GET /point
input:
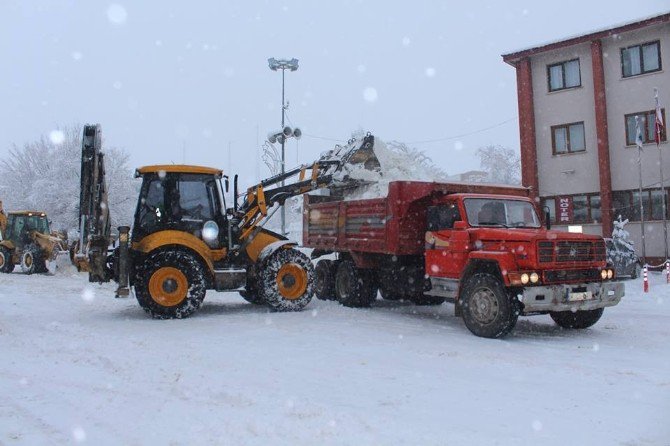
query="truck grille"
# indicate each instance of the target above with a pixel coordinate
(571, 275)
(566, 251)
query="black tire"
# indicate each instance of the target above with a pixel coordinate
(250, 292)
(6, 265)
(159, 284)
(286, 280)
(354, 287)
(488, 309)
(577, 320)
(324, 279)
(425, 299)
(32, 260)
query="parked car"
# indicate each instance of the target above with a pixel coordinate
(622, 256)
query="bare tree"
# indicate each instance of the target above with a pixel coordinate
(501, 163)
(44, 175)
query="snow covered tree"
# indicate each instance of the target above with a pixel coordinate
(620, 234)
(44, 175)
(502, 164)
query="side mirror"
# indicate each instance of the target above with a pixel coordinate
(547, 217)
(226, 182)
(460, 224)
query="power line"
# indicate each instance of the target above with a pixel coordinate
(447, 138)
(428, 141)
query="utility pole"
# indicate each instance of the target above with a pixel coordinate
(283, 65)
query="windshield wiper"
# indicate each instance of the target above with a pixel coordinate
(490, 223)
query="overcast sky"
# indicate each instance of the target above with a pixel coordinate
(161, 76)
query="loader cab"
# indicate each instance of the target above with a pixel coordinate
(21, 224)
(181, 198)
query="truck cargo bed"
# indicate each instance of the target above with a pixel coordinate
(395, 224)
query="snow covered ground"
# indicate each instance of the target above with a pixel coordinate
(79, 366)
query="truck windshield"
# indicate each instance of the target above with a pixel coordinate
(503, 213)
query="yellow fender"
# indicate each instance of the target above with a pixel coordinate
(170, 238)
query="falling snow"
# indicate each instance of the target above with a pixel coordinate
(117, 14)
(370, 94)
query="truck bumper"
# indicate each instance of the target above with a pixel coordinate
(571, 297)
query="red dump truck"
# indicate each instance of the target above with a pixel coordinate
(481, 246)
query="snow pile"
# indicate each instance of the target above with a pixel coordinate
(398, 163)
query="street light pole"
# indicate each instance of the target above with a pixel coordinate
(283, 65)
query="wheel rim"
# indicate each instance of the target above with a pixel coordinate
(2, 259)
(28, 260)
(168, 286)
(484, 306)
(291, 281)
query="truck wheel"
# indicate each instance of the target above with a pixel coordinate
(324, 286)
(488, 310)
(170, 284)
(250, 291)
(6, 265)
(32, 260)
(579, 319)
(286, 280)
(425, 299)
(354, 287)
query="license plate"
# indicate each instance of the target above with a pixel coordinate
(584, 295)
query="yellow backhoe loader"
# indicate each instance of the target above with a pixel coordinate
(185, 240)
(25, 240)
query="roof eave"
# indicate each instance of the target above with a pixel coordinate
(513, 58)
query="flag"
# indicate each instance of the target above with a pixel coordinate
(638, 132)
(658, 123)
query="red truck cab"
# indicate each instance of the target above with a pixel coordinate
(482, 246)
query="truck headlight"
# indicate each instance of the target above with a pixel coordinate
(603, 274)
(534, 277)
(525, 278)
(210, 232)
(610, 273)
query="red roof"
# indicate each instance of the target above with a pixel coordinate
(513, 58)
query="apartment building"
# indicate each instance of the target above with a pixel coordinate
(578, 101)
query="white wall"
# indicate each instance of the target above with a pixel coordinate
(562, 107)
(630, 95)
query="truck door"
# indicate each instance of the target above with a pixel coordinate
(446, 247)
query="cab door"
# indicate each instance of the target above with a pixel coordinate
(446, 241)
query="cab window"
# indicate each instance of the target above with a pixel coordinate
(194, 200)
(443, 216)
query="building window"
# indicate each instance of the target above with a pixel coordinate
(641, 59)
(594, 207)
(564, 75)
(648, 118)
(580, 209)
(627, 204)
(568, 138)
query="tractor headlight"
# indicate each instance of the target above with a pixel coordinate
(534, 277)
(610, 273)
(603, 274)
(525, 278)
(210, 232)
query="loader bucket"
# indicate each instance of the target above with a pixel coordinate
(60, 263)
(355, 155)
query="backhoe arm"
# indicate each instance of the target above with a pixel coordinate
(94, 218)
(328, 171)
